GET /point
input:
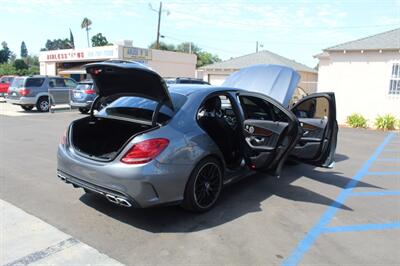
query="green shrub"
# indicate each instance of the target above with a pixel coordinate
(385, 122)
(356, 120)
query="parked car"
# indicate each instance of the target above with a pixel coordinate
(171, 81)
(155, 145)
(40, 91)
(83, 96)
(5, 82)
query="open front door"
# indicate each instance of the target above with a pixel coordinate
(317, 116)
(270, 131)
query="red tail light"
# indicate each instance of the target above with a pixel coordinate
(89, 91)
(24, 92)
(145, 151)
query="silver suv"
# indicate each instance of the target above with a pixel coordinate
(40, 91)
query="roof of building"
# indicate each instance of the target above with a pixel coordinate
(262, 57)
(388, 40)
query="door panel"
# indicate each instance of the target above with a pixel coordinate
(270, 131)
(317, 116)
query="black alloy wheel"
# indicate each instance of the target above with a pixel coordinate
(204, 186)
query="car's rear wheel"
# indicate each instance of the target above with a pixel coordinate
(204, 186)
(27, 107)
(84, 110)
(43, 104)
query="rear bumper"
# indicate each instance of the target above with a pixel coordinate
(22, 101)
(114, 196)
(81, 105)
(146, 185)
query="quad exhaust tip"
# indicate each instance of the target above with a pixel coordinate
(118, 200)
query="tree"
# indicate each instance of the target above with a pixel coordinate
(20, 64)
(188, 47)
(163, 46)
(24, 50)
(57, 44)
(71, 39)
(32, 60)
(5, 53)
(206, 58)
(99, 40)
(86, 25)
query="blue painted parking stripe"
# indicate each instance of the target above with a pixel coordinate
(383, 173)
(361, 227)
(305, 244)
(375, 193)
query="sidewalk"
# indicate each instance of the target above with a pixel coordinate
(25, 239)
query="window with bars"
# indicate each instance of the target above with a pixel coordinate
(394, 87)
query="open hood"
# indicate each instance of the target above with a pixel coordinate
(128, 78)
(275, 81)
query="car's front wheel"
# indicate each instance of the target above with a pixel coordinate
(204, 186)
(43, 104)
(27, 107)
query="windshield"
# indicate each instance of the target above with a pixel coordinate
(138, 108)
(84, 86)
(18, 83)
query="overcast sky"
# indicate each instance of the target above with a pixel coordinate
(294, 29)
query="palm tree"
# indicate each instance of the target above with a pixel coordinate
(85, 25)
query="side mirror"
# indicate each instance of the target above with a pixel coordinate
(3, 81)
(51, 84)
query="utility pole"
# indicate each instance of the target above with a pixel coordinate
(158, 28)
(256, 46)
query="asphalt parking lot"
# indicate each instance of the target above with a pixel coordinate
(346, 215)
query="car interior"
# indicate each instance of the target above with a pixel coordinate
(217, 117)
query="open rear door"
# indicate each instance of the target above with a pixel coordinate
(317, 116)
(270, 131)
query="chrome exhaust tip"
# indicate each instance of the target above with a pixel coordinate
(118, 200)
(124, 202)
(63, 178)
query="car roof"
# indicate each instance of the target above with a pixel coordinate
(86, 81)
(192, 89)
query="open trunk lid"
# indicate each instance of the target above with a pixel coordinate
(128, 78)
(275, 81)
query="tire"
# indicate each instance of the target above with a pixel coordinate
(83, 110)
(43, 104)
(27, 107)
(204, 186)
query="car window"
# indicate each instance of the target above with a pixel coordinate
(313, 108)
(84, 86)
(18, 82)
(34, 82)
(142, 108)
(70, 82)
(60, 82)
(257, 108)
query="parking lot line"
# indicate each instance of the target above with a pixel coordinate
(361, 227)
(375, 193)
(305, 244)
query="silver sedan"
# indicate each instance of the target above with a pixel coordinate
(152, 145)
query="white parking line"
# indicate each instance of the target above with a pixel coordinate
(26, 239)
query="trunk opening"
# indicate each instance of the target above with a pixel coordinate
(103, 138)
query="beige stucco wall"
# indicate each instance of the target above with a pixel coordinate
(172, 64)
(360, 82)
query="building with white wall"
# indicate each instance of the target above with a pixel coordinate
(69, 62)
(364, 74)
